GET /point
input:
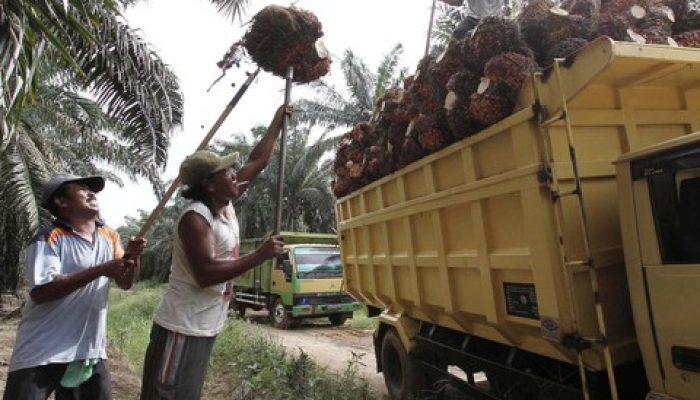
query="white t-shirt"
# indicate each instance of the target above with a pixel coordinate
(187, 308)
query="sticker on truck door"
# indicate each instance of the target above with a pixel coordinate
(521, 300)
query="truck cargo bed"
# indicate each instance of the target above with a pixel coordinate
(476, 238)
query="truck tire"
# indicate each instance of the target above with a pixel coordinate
(337, 319)
(240, 309)
(279, 318)
(402, 377)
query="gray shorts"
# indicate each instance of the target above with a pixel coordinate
(175, 365)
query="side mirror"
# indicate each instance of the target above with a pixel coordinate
(286, 266)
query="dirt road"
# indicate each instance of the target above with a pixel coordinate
(330, 346)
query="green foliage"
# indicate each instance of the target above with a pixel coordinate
(308, 201)
(264, 370)
(332, 109)
(129, 319)
(244, 360)
(84, 93)
(155, 260)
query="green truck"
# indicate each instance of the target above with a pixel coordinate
(305, 282)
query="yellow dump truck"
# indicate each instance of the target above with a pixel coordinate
(556, 253)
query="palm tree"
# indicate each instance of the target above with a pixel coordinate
(308, 201)
(333, 109)
(78, 89)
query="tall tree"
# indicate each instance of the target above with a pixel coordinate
(332, 108)
(308, 202)
(79, 91)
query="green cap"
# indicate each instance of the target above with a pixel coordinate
(203, 163)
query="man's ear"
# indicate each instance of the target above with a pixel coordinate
(60, 201)
(208, 184)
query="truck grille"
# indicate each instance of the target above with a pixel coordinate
(323, 299)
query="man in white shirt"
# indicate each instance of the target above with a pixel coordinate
(474, 10)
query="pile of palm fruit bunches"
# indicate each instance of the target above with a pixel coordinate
(280, 37)
(475, 82)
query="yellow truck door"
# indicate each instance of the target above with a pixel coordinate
(666, 191)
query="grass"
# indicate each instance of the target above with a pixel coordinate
(360, 320)
(245, 363)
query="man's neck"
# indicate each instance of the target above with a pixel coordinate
(217, 206)
(83, 226)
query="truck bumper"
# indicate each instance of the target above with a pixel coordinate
(324, 309)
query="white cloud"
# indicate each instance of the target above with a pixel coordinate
(191, 37)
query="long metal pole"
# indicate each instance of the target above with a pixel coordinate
(283, 153)
(168, 194)
(430, 27)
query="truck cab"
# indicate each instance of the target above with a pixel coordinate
(659, 189)
(305, 282)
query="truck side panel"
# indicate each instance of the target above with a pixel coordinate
(470, 238)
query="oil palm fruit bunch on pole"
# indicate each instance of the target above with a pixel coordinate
(279, 38)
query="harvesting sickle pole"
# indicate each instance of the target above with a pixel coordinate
(173, 186)
(283, 152)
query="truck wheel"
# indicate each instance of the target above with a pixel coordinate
(278, 315)
(402, 377)
(240, 310)
(337, 319)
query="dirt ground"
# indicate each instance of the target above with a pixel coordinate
(329, 346)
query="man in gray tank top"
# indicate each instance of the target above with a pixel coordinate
(205, 260)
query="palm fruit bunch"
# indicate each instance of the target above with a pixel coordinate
(687, 22)
(423, 91)
(612, 25)
(377, 164)
(349, 160)
(655, 26)
(449, 62)
(280, 37)
(546, 31)
(491, 104)
(584, 8)
(493, 36)
(688, 39)
(464, 82)
(459, 119)
(510, 69)
(430, 132)
(411, 149)
(565, 49)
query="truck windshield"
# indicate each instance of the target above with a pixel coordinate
(318, 262)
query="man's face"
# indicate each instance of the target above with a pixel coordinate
(225, 183)
(79, 199)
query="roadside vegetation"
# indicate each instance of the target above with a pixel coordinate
(245, 363)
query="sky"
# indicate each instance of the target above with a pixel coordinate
(190, 36)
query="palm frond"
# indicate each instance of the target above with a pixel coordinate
(359, 79)
(387, 71)
(134, 87)
(231, 8)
